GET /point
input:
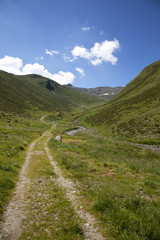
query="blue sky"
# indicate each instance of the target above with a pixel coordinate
(88, 43)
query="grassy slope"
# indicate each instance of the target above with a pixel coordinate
(23, 100)
(20, 94)
(135, 111)
(68, 94)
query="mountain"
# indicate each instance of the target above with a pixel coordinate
(21, 94)
(106, 92)
(135, 111)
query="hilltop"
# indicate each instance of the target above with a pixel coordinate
(135, 111)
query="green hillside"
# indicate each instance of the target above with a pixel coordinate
(24, 103)
(135, 111)
(20, 94)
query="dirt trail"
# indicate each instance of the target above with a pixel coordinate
(42, 119)
(14, 215)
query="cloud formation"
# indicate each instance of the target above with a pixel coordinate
(67, 59)
(11, 64)
(63, 77)
(85, 29)
(99, 53)
(36, 68)
(80, 70)
(39, 58)
(15, 66)
(51, 52)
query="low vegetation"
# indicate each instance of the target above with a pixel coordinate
(16, 133)
(120, 182)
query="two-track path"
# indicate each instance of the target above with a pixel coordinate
(15, 215)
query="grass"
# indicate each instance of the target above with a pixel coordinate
(120, 182)
(16, 133)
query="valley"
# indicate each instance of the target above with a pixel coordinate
(102, 182)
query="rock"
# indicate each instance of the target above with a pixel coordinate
(58, 138)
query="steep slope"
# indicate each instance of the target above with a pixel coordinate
(135, 111)
(20, 94)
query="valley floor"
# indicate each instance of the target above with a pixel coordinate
(86, 186)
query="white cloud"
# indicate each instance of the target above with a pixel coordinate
(48, 52)
(96, 62)
(15, 66)
(85, 29)
(36, 69)
(55, 52)
(51, 52)
(39, 58)
(99, 53)
(11, 64)
(63, 77)
(67, 59)
(81, 71)
(101, 33)
(80, 52)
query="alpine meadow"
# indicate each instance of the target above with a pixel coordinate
(79, 120)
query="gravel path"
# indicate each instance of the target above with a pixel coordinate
(90, 230)
(13, 215)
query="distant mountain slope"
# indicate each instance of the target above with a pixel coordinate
(106, 92)
(70, 95)
(136, 109)
(20, 94)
